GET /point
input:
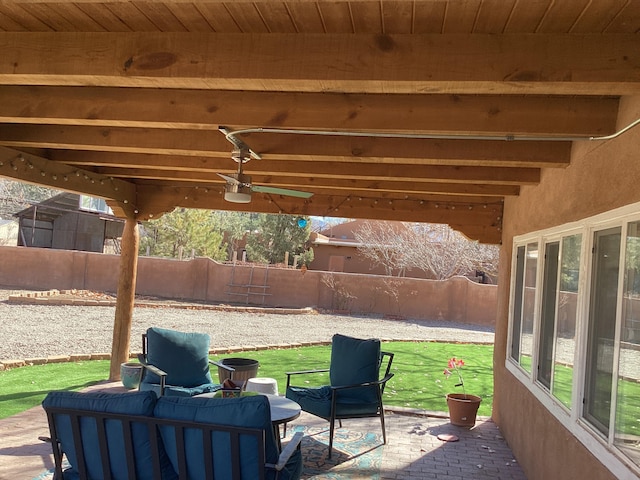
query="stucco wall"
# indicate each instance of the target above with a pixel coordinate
(202, 279)
(603, 175)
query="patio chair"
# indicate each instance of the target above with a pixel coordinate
(355, 389)
(176, 363)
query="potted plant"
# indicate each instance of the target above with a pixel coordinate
(463, 407)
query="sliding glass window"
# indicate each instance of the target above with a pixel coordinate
(627, 426)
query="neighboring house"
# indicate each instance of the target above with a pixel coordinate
(336, 249)
(69, 221)
(8, 232)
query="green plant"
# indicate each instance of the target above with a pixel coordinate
(455, 365)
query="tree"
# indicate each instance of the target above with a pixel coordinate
(435, 249)
(235, 226)
(184, 230)
(277, 234)
(382, 243)
(16, 196)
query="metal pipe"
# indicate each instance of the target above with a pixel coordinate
(231, 136)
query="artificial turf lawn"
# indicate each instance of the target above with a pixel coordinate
(418, 367)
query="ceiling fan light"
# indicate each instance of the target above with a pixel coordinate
(237, 193)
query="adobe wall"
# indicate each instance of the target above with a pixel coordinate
(202, 279)
(602, 176)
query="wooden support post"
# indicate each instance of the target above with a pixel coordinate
(125, 297)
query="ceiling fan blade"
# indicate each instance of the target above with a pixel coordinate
(232, 180)
(280, 191)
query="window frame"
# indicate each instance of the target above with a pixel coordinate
(572, 418)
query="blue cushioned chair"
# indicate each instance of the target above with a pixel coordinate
(252, 455)
(355, 389)
(176, 363)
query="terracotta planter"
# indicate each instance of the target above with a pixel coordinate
(463, 409)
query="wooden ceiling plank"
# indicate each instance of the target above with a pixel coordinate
(461, 16)
(276, 17)
(407, 173)
(346, 151)
(306, 19)
(526, 16)
(161, 16)
(493, 16)
(627, 21)
(247, 18)
(597, 16)
(190, 16)
(217, 16)
(198, 109)
(72, 14)
(7, 23)
(336, 17)
(398, 17)
(367, 17)
(129, 13)
(53, 18)
(27, 22)
(411, 150)
(562, 16)
(104, 17)
(573, 64)
(429, 17)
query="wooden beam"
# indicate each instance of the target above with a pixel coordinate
(550, 64)
(30, 168)
(206, 109)
(478, 220)
(361, 188)
(336, 170)
(191, 143)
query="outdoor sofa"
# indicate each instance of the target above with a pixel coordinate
(139, 436)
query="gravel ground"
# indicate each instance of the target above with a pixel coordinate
(36, 331)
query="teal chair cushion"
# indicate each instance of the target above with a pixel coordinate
(353, 361)
(248, 412)
(136, 403)
(184, 356)
(316, 400)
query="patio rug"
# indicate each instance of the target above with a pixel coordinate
(356, 455)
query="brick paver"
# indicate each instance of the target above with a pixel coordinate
(413, 450)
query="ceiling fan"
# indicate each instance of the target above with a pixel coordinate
(239, 187)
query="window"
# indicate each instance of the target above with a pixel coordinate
(575, 328)
(565, 320)
(522, 339)
(627, 411)
(94, 204)
(548, 313)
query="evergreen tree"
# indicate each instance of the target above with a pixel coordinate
(277, 234)
(189, 231)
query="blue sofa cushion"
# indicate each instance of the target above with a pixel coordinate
(184, 356)
(248, 412)
(355, 360)
(138, 403)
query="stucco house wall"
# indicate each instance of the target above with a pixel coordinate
(603, 175)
